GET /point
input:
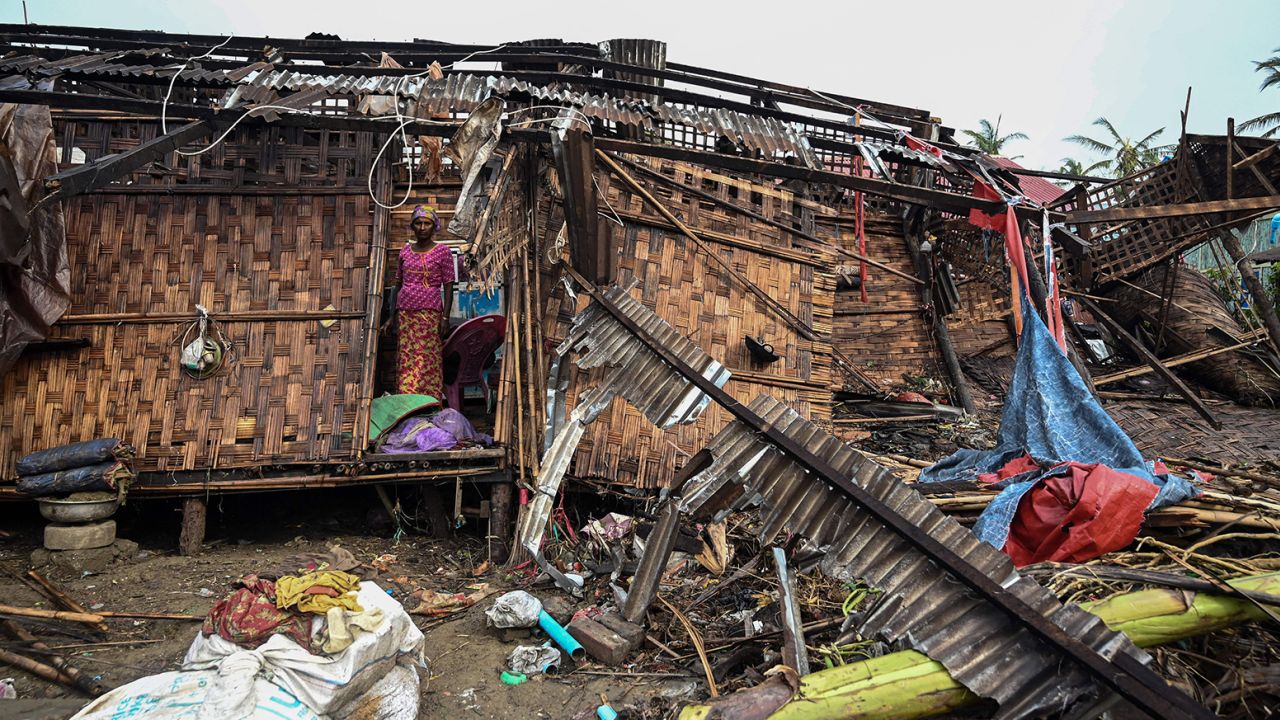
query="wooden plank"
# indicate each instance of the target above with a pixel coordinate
(1142, 352)
(1183, 359)
(1257, 157)
(1180, 210)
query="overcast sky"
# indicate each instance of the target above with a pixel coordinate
(1050, 68)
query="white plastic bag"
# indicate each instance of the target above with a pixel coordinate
(533, 659)
(516, 609)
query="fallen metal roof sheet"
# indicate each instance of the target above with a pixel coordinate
(664, 396)
(922, 604)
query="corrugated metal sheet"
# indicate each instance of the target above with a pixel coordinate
(462, 93)
(922, 604)
(633, 372)
(258, 83)
(110, 65)
(1036, 189)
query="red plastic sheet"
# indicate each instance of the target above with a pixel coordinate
(1079, 515)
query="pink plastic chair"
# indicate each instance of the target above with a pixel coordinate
(468, 353)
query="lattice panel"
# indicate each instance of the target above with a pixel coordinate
(268, 155)
(1123, 248)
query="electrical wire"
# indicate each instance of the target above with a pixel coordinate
(401, 121)
(164, 127)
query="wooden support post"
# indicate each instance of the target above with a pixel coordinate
(500, 502)
(436, 515)
(1262, 304)
(589, 249)
(1231, 167)
(193, 518)
(941, 334)
(1146, 356)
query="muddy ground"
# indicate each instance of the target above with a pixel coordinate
(253, 532)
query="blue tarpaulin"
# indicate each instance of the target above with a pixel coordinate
(1050, 415)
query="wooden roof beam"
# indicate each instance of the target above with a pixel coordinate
(937, 199)
(1151, 212)
(99, 173)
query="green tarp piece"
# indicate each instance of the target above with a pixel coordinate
(391, 409)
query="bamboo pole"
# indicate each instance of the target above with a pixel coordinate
(38, 669)
(1252, 338)
(79, 679)
(88, 618)
(907, 684)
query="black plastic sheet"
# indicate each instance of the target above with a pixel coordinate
(34, 275)
(66, 457)
(105, 476)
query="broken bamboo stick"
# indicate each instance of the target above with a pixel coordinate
(58, 595)
(696, 639)
(908, 684)
(149, 616)
(39, 669)
(80, 680)
(1267, 479)
(1142, 352)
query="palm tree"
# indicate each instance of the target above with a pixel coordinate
(1072, 166)
(1127, 156)
(1269, 123)
(988, 139)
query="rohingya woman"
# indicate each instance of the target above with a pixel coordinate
(426, 274)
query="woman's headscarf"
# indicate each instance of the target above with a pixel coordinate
(426, 211)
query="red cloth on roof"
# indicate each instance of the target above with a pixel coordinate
(977, 218)
(1089, 511)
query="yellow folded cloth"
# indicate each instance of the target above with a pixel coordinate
(291, 590)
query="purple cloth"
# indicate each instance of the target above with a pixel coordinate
(442, 431)
(457, 423)
(417, 434)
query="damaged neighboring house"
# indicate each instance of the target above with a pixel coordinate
(747, 264)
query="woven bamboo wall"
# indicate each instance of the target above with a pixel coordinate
(685, 288)
(886, 337)
(290, 393)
